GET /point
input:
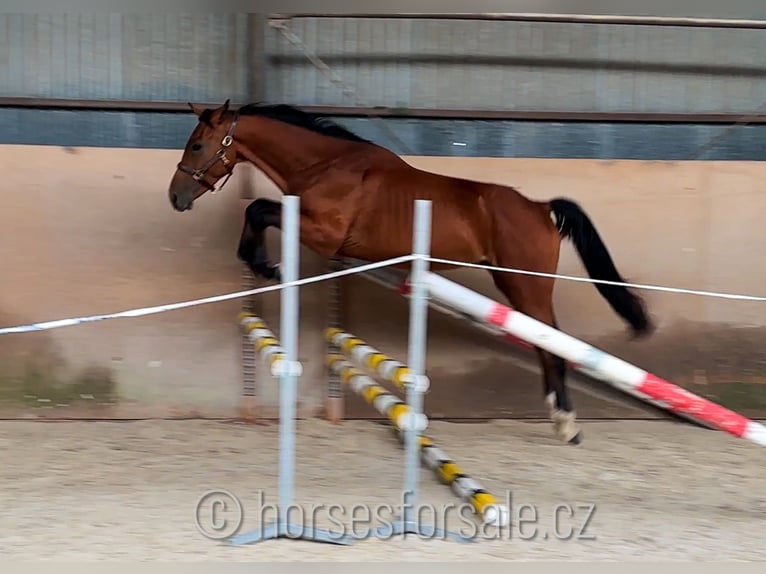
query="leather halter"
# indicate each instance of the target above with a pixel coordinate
(199, 174)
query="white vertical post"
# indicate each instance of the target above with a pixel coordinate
(416, 358)
(287, 372)
(289, 314)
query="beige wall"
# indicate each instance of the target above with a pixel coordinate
(90, 231)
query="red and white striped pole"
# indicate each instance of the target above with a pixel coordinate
(599, 364)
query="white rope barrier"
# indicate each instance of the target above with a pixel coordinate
(140, 312)
(714, 294)
(56, 324)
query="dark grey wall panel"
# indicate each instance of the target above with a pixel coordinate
(399, 63)
(495, 138)
(95, 129)
(522, 66)
(468, 138)
(173, 57)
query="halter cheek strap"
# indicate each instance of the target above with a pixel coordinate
(198, 175)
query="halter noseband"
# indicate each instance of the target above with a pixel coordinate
(199, 174)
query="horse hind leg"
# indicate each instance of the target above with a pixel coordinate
(557, 397)
(533, 296)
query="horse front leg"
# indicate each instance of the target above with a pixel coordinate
(259, 216)
(315, 233)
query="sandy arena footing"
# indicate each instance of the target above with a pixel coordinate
(108, 490)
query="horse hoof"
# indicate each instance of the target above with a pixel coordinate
(565, 428)
(576, 439)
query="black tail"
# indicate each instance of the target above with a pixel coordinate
(573, 223)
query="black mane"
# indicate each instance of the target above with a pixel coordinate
(292, 115)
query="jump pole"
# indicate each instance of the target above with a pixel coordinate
(597, 363)
(287, 368)
(381, 277)
(357, 355)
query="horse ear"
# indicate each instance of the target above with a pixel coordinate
(217, 114)
(196, 109)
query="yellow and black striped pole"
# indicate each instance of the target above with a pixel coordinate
(263, 339)
(398, 414)
(361, 353)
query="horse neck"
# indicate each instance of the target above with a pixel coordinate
(280, 149)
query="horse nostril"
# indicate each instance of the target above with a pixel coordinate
(174, 198)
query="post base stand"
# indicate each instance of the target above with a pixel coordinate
(402, 528)
(275, 530)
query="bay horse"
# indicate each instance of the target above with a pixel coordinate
(356, 201)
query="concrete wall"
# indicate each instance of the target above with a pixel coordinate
(88, 231)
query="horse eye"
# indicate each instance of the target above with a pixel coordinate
(196, 147)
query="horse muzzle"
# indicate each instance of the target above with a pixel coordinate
(183, 201)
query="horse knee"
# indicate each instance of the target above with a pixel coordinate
(245, 250)
(261, 213)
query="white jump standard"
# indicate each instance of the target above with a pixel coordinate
(282, 360)
(421, 246)
(285, 366)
